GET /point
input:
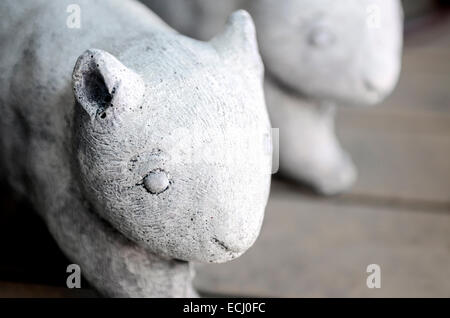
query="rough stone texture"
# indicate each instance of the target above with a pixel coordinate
(147, 101)
(316, 52)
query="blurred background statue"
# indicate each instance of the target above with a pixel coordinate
(318, 54)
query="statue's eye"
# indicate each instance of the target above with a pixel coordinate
(321, 36)
(156, 181)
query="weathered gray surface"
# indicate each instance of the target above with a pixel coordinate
(148, 101)
(316, 53)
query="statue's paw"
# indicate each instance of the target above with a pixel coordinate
(327, 177)
(335, 179)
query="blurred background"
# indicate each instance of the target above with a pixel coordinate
(397, 215)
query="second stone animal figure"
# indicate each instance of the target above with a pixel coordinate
(318, 54)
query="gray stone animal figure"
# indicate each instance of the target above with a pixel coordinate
(317, 54)
(142, 149)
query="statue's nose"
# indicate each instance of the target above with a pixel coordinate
(372, 85)
(379, 84)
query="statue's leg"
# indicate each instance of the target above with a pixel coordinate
(309, 150)
(113, 264)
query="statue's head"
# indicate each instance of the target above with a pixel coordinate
(347, 51)
(172, 141)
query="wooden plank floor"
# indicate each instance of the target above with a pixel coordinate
(397, 215)
(311, 247)
(401, 156)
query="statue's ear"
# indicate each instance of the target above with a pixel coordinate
(237, 43)
(102, 82)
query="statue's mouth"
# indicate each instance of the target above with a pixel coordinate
(180, 261)
(221, 244)
(231, 253)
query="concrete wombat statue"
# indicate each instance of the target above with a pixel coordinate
(145, 152)
(317, 53)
